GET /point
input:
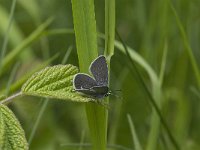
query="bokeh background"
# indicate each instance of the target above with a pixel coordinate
(150, 28)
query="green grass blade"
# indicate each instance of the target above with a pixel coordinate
(181, 115)
(186, 44)
(16, 36)
(195, 91)
(155, 100)
(11, 78)
(32, 8)
(156, 92)
(86, 42)
(38, 119)
(85, 32)
(16, 51)
(163, 64)
(69, 50)
(4, 47)
(136, 141)
(109, 28)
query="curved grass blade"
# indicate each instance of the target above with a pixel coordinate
(11, 78)
(32, 8)
(16, 51)
(16, 36)
(186, 44)
(136, 141)
(155, 101)
(5, 42)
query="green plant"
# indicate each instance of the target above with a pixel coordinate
(157, 71)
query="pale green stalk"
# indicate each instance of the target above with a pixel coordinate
(136, 141)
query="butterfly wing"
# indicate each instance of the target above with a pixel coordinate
(87, 85)
(99, 70)
(83, 81)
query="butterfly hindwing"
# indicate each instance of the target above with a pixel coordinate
(83, 81)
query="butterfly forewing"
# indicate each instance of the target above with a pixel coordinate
(99, 70)
(83, 81)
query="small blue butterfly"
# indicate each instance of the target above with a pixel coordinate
(96, 87)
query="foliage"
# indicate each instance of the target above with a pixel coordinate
(162, 39)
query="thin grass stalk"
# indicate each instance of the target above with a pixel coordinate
(11, 78)
(38, 120)
(136, 141)
(16, 51)
(163, 63)
(5, 42)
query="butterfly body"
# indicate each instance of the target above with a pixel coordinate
(96, 86)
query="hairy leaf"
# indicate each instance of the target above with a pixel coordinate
(11, 133)
(54, 82)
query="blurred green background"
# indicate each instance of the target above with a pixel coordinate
(149, 27)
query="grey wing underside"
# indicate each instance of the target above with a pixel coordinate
(87, 85)
(99, 69)
(83, 81)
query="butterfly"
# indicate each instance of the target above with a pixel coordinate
(96, 86)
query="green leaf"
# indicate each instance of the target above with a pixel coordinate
(54, 82)
(11, 133)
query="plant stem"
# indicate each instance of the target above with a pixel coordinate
(38, 119)
(8, 99)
